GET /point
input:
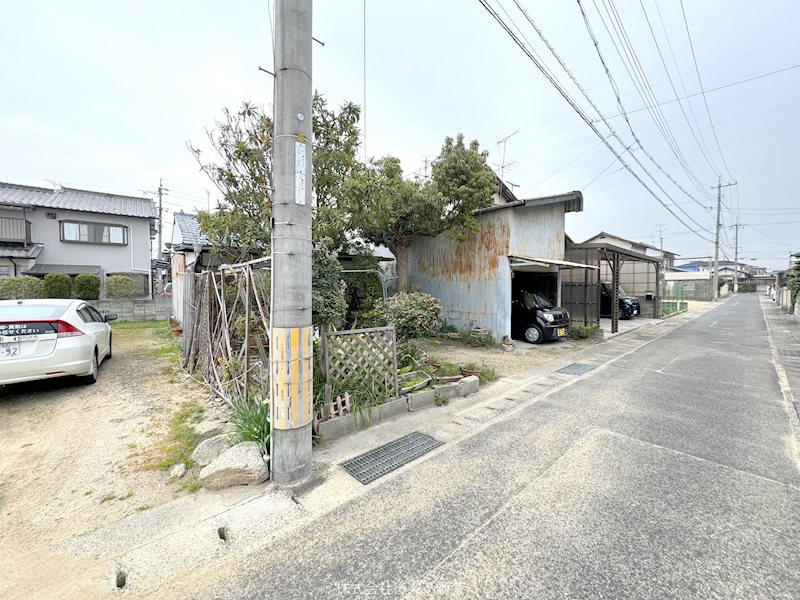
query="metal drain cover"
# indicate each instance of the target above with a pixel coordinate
(382, 460)
(576, 369)
(789, 352)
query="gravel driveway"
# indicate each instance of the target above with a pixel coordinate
(69, 454)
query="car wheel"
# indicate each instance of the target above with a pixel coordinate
(110, 339)
(91, 377)
(533, 334)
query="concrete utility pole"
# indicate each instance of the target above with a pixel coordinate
(160, 220)
(719, 187)
(291, 335)
(736, 259)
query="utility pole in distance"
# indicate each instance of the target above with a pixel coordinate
(719, 187)
(291, 334)
(160, 214)
(736, 258)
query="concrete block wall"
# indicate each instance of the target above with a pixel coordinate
(157, 309)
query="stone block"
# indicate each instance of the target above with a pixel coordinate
(241, 464)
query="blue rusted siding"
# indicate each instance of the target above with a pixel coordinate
(472, 278)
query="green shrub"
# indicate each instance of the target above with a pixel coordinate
(581, 332)
(250, 423)
(121, 286)
(328, 304)
(57, 285)
(87, 286)
(413, 314)
(482, 341)
(22, 287)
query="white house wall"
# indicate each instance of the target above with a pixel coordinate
(131, 258)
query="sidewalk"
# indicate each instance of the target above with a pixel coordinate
(168, 542)
(784, 333)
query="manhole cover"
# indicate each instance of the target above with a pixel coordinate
(576, 369)
(789, 352)
(385, 459)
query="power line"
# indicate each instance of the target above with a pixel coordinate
(551, 78)
(600, 114)
(672, 84)
(615, 89)
(642, 86)
(702, 91)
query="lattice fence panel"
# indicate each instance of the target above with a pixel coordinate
(357, 352)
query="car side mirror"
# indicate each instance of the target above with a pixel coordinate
(110, 317)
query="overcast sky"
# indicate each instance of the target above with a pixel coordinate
(104, 95)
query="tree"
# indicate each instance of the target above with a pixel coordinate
(385, 208)
(793, 278)
(242, 142)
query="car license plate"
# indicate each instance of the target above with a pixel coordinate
(561, 331)
(9, 350)
(635, 311)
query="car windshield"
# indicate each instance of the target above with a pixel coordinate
(17, 312)
(621, 291)
(535, 301)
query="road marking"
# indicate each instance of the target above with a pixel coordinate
(714, 323)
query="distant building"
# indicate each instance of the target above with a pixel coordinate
(668, 258)
(72, 231)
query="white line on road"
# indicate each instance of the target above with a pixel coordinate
(714, 323)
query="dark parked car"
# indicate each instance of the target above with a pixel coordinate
(628, 305)
(535, 319)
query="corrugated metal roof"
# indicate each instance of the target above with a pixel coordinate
(72, 199)
(190, 230)
(20, 251)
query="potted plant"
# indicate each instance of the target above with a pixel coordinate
(175, 326)
(507, 343)
(448, 372)
(471, 369)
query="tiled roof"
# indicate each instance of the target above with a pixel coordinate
(190, 230)
(71, 199)
(20, 251)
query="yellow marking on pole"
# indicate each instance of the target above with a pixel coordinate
(294, 372)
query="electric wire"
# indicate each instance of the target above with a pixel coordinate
(672, 84)
(564, 94)
(621, 107)
(700, 81)
(574, 79)
(643, 88)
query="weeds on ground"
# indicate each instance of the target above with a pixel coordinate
(178, 440)
(250, 422)
(191, 484)
(581, 332)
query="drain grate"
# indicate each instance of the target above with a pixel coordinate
(378, 462)
(789, 352)
(576, 369)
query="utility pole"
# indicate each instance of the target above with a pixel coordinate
(291, 334)
(719, 187)
(160, 213)
(736, 259)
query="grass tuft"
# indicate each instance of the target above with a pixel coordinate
(179, 440)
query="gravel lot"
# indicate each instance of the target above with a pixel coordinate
(71, 455)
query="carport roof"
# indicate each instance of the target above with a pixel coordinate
(521, 261)
(618, 250)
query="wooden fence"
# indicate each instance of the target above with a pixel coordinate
(359, 353)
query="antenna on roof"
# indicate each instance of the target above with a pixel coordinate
(57, 187)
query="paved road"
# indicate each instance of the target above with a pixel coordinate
(671, 472)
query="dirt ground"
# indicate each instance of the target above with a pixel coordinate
(524, 357)
(72, 456)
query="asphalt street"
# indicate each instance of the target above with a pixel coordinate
(669, 472)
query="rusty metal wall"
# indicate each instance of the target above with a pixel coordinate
(472, 278)
(537, 231)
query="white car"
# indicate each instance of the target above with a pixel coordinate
(42, 339)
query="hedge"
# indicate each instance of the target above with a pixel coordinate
(57, 285)
(120, 286)
(22, 287)
(87, 286)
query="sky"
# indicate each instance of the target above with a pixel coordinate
(105, 96)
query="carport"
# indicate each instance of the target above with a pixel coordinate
(637, 273)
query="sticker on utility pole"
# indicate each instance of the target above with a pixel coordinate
(299, 173)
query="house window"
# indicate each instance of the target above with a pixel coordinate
(93, 233)
(5, 271)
